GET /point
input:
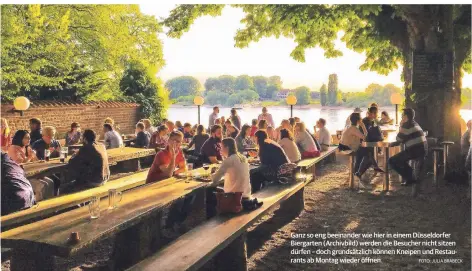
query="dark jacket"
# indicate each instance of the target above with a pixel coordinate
(90, 165)
(142, 139)
(272, 155)
(17, 192)
(35, 136)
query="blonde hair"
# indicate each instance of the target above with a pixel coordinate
(147, 123)
(301, 125)
(49, 131)
(4, 124)
(109, 121)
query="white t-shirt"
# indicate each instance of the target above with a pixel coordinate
(267, 117)
(236, 175)
(291, 149)
(113, 139)
(351, 137)
(323, 136)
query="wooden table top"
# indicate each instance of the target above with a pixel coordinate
(114, 156)
(50, 236)
(388, 142)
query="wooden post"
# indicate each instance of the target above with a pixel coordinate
(137, 242)
(351, 171)
(26, 261)
(234, 256)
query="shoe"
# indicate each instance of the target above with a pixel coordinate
(359, 180)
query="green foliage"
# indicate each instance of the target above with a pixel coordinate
(74, 51)
(242, 97)
(466, 97)
(184, 100)
(260, 85)
(244, 82)
(227, 83)
(183, 86)
(333, 89)
(373, 93)
(323, 95)
(303, 95)
(216, 98)
(141, 86)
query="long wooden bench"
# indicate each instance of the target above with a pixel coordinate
(227, 245)
(50, 206)
(308, 165)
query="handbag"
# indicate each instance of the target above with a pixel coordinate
(229, 202)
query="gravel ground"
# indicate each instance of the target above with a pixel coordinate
(331, 207)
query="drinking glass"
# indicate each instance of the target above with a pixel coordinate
(189, 170)
(94, 207)
(47, 153)
(114, 197)
(64, 151)
(122, 147)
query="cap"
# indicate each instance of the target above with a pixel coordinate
(357, 110)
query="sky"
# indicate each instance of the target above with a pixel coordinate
(208, 50)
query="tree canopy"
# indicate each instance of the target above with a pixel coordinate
(303, 95)
(74, 51)
(183, 86)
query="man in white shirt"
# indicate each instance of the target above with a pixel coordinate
(112, 138)
(322, 134)
(213, 117)
(267, 117)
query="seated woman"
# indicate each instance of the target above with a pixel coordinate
(274, 162)
(235, 169)
(16, 191)
(20, 150)
(159, 138)
(385, 119)
(290, 147)
(231, 130)
(73, 136)
(148, 126)
(305, 141)
(179, 126)
(272, 133)
(243, 140)
(89, 166)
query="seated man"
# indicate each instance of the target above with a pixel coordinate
(166, 161)
(322, 134)
(17, 192)
(89, 166)
(47, 142)
(142, 137)
(416, 146)
(35, 129)
(112, 138)
(165, 166)
(211, 149)
(188, 131)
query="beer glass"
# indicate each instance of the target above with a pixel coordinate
(94, 207)
(47, 153)
(189, 170)
(114, 197)
(64, 151)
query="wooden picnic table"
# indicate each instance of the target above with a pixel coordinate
(35, 244)
(53, 166)
(388, 142)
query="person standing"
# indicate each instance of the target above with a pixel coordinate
(267, 117)
(416, 146)
(112, 138)
(74, 135)
(35, 129)
(235, 119)
(322, 134)
(213, 117)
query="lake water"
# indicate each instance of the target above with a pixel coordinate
(335, 117)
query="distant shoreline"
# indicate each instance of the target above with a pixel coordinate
(309, 106)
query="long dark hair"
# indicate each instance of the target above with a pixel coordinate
(284, 133)
(18, 138)
(230, 143)
(200, 130)
(243, 131)
(261, 136)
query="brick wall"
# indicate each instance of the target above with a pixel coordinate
(62, 114)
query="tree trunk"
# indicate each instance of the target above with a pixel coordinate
(435, 94)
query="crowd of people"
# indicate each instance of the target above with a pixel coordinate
(225, 141)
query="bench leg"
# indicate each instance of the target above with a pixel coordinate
(351, 172)
(25, 261)
(293, 205)
(234, 256)
(136, 243)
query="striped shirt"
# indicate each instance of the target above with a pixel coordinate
(412, 135)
